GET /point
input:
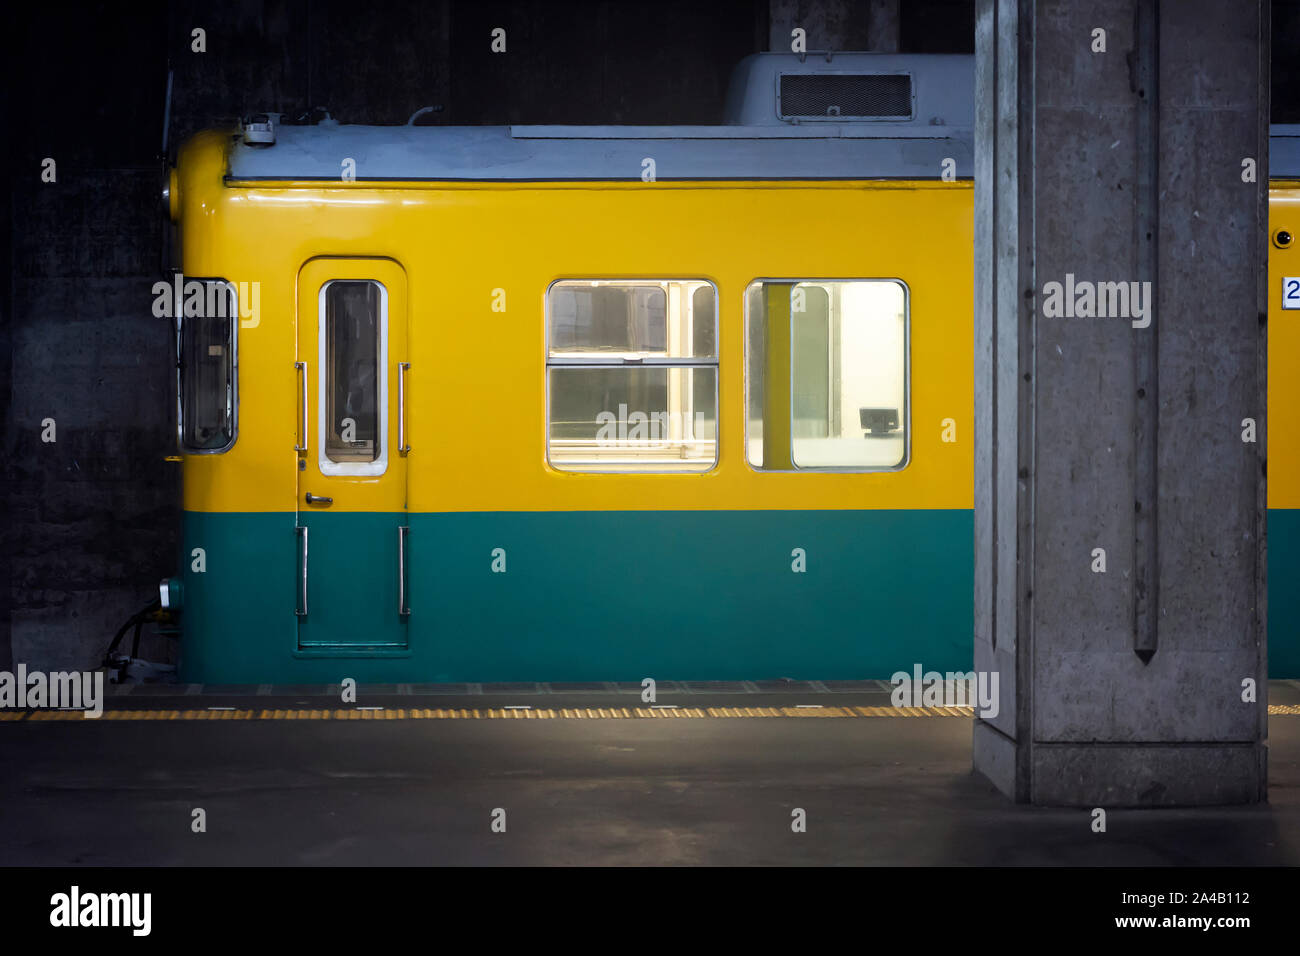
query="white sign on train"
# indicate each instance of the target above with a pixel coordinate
(1291, 293)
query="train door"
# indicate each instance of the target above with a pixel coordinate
(352, 469)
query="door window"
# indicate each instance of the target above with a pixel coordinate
(353, 400)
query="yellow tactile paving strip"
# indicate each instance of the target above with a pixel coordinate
(514, 713)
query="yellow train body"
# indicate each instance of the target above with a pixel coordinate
(478, 375)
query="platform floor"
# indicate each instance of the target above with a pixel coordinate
(584, 790)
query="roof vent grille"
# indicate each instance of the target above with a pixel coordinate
(846, 95)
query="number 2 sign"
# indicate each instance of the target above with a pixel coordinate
(1291, 293)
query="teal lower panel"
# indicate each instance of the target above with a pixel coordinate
(699, 595)
(1284, 593)
(615, 596)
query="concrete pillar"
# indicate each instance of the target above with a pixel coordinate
(837, 25)
(1117, 157)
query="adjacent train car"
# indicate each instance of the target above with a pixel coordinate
(1283, 429)
(586, 403)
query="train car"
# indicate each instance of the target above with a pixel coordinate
(1283, 431)
(584, 403)
(577, 404)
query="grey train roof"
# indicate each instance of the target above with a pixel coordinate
(1284, 152)
(774, 128)
(755, 142)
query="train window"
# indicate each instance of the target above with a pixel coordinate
(632, 376)
(206, 368)
(353, 347)
(826, 374)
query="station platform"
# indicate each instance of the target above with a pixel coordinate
(607, 780)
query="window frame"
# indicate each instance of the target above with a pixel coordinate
(907, 381)
(622, 361)
(179, 312)
(327, 465)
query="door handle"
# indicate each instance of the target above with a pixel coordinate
(302, 421)
(402, 446)
(302, 581)
(402, 609)
(318, 499)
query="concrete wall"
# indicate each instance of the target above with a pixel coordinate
(91, 515)
(1285, 77)
(884, 26)
(837, 25)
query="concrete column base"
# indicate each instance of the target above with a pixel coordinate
(1122, 775)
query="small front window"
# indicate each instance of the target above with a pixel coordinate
(207, 368)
